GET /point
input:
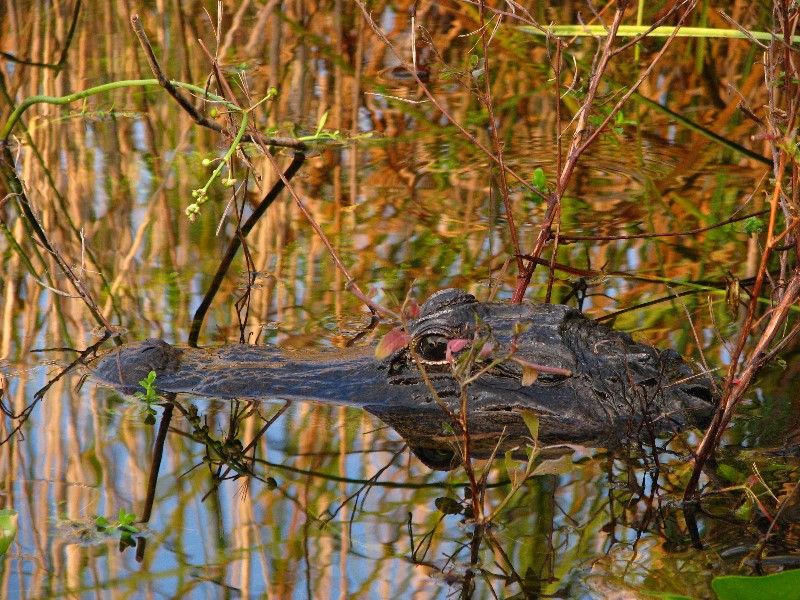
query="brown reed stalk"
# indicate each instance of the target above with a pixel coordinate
(781, 72)
(582, 138)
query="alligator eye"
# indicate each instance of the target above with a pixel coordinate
(433, 348)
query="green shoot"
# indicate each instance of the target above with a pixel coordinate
(539, 179)
(149, 397)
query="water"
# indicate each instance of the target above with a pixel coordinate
(330, 502)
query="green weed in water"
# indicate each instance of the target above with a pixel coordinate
(97, 529)
(123, 524)
(754, 225)
(149, 396)
(539, 180)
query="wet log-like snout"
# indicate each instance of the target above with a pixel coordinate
(242, 371)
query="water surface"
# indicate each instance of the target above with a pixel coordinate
(334, 504)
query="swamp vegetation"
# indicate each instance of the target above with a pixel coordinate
(302, 173)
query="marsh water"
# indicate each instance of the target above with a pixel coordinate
(302, 500)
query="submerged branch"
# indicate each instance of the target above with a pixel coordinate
(236, 242)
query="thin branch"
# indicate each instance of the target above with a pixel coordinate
(580, 142)
(574, 152)
(187, 106)
(498, 147)
(350, 285)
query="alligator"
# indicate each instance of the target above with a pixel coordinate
(593, 384)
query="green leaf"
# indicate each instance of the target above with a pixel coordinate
(128, 529)
(745, 511)
(555, 466)
(511, 465)
(729, 473)
(539, 179)
(147, 382)
(8, 528)
(753, 225)
(620, 119)
(531, 422)
(780, 586)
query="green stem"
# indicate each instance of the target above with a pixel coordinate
(228, 154)
(237, 139)
(106, 87)
(663, 31)
(201, 195)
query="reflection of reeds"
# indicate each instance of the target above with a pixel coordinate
(415, 205)
(84, 180)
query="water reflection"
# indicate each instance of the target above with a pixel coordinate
(317, 504)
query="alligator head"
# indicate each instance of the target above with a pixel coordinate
(598, 385)
(603, 386)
